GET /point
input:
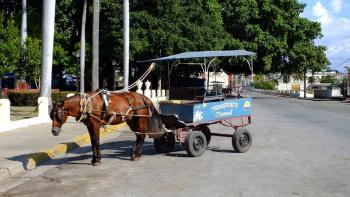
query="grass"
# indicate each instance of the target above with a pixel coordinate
(20, 113)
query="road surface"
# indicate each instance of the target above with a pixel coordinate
(300, 148)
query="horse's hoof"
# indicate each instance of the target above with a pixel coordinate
(135, 159)
(96, 163)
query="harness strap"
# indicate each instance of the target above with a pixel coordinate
(112, 118)
(85, 106)
(139, 107)
(86, 109)
(105, 97)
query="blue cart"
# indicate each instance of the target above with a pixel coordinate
(187, 120)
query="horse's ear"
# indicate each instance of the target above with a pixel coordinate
(52, 106)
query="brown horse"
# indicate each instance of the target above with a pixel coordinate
(101, 108)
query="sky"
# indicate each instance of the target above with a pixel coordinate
(334, 16)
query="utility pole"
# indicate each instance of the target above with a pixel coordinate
(95, 45)
(126, 25)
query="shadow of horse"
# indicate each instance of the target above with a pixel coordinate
(120, 149)
(116, 149)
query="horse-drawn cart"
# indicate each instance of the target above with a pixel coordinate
(187, 120)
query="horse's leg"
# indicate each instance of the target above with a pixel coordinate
(93, 144)
(137, 148)
(94, 132)
(98, 151)
(133, 126)
(139, 126)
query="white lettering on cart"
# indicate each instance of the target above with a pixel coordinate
(224, 106)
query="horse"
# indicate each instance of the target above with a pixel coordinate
(99, 108)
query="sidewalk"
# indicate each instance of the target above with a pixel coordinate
(22, 149)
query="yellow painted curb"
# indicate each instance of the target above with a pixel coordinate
(36, 158)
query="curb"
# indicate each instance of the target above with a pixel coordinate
(31, 161)
(23, 123)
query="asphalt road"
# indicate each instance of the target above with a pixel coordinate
(300, 148)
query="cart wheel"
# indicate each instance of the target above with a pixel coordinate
(206, 131)
(195, 143)
(241, 140)
(165, 143)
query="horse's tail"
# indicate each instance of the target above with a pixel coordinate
(156, 124)
(150, 105)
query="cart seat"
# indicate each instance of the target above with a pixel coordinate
(171, 121)
(186, 93)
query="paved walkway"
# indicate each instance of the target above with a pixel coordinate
(22, 149)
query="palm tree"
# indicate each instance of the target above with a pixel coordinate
(24, 23)
(47, 50)
(95, 45)
(82, 48)
(126, 43)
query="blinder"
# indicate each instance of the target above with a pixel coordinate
(60, 114)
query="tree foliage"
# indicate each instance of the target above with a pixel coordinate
(30, 63)
(275, 30)
(9, 45)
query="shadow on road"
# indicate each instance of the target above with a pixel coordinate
(120, 150)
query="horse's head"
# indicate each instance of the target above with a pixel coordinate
(59, 116)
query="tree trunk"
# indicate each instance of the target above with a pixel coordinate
(36, 84)
(24, 23)
(305, 84)
(126, 44)
(1, 94)
(95, 45)
(47, 50)
(82, 49)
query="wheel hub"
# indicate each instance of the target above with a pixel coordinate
(197, 144)
(243, 140)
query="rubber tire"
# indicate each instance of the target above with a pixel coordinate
(165, 143)
(206, 131)
(195, 143)
(237, 143)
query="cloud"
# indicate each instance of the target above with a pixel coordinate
(335, 28)
(336, 5)
(322, 14)
(345, 22)
(339, 48)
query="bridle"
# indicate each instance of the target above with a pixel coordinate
(60, 114)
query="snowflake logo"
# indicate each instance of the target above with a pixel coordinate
(198, 116)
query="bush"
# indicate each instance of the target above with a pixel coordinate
(328, 79)
(23, 98)
(264, 85)
(31, 98)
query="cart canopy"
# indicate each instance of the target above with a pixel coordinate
(202, 54)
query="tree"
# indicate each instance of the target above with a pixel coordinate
(9, 47)
(29, 69)
(307, 56)
(271, 29)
